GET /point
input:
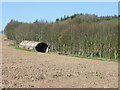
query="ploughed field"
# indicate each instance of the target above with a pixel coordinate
(23, 69)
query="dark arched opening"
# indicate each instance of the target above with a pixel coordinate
(41, 47)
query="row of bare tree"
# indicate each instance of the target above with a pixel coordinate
(91, 39)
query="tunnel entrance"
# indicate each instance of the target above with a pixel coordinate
(41, 47)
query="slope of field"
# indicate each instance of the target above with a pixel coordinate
(114, 20)
(37, 70)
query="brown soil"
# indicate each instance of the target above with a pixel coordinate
(23, 69)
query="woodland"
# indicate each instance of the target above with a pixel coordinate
(79, 35)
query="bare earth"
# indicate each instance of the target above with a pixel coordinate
(23, 69)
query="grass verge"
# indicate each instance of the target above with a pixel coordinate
(25, 49)
(93, 58)
(16, 47)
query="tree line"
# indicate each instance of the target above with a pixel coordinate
(79, 35)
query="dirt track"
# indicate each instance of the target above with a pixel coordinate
(30, 69)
